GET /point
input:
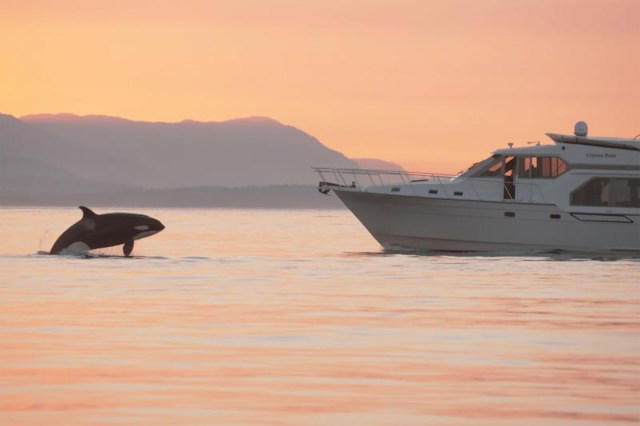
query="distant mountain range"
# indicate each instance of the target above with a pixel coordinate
(65, 159)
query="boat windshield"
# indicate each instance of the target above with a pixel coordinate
(479, 165)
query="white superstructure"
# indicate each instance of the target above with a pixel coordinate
(579, 194)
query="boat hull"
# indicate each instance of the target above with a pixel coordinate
(420, 223)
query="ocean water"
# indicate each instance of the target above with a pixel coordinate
(242, 317)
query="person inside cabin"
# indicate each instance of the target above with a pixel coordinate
(534, 167)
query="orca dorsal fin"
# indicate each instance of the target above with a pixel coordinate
(87, 213)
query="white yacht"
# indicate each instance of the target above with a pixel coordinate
(579, 194)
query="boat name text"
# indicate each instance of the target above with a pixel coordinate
(592, 155)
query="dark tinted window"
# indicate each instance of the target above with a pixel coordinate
(608, 192)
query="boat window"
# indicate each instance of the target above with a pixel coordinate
(478, 165)
(492, 168)
(608, 192)
(509, 190)
(542, 167)
(509, 165)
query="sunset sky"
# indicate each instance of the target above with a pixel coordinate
(432, 85)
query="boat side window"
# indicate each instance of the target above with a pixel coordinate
(525, 167)
(608, 192)
(494, 168)
(510, 165)
(542, 167)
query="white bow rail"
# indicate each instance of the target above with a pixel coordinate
(357, 178)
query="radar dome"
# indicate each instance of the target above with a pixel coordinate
(580, 129)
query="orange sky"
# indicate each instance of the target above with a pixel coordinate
(432, 85)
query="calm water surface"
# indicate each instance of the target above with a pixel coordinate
(242, 317)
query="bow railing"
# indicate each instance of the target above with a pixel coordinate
(357, 178)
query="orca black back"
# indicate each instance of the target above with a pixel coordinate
(95, 231)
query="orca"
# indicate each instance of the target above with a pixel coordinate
(105, 230)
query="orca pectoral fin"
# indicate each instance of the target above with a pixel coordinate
(127, 248)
